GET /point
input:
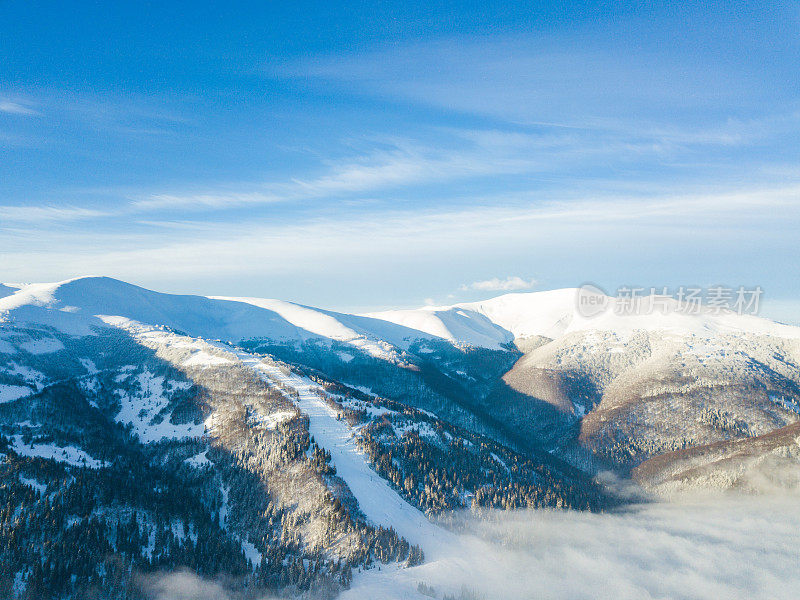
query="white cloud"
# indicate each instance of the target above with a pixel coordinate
(214, 199)
(406, 164)
(460, 156)
(433, 249)
(509, 284)
(15, 108)
(695, 548)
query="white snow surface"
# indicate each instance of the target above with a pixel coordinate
(204, 359)
(201, 353)
(251, 553)
(198, 461)
(553, 314)
(75, 305)
(34, 483)
(68, 454)
(140, 407)
(9, 393)
(371, 336)
(89, 365)
(42, 346)
(381, 504)
(31, 376)
(272, 420)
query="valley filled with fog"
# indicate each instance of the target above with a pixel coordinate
(698, 547)
(701, 546)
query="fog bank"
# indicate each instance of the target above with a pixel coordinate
(714, 547)
(717, 547)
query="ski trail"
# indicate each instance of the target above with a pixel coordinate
(381, 504)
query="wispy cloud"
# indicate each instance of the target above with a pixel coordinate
(33, 214)
(509, 284)
(587, 84)
(208, 200)
(17, 108)
(458, 156)
(547, 78)
(406, 164)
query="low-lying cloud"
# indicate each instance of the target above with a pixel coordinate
(703, 549)
(182, 585)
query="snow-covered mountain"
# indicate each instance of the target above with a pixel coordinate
(78, 303)
(157, 431)
(283, 434)
(615, 388)
(493, 323)
(553, 314)
(570, 369)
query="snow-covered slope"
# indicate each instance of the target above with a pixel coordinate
(371, 335)
(7, 290)
(553, 314)
(616, 387)
(762, 463)
(75, 305)
(494, 322)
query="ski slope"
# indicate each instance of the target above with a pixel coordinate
(381, 504)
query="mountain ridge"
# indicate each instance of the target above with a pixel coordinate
(492, 323)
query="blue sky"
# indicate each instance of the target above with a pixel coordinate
(367, 154)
